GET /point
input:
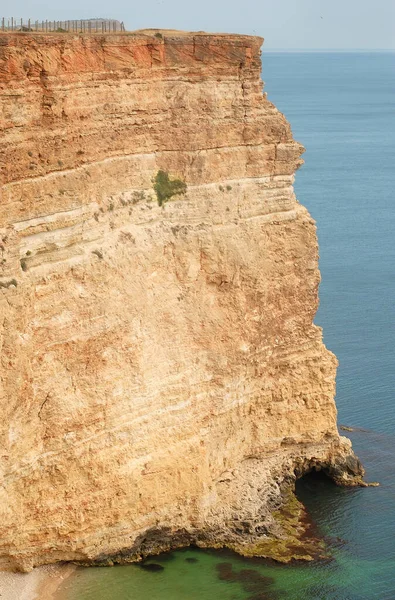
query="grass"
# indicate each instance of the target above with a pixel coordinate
(138, 196)
(165, 188)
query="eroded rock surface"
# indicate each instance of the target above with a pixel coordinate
(162, 381)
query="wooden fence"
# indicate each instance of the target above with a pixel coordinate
(73, 26)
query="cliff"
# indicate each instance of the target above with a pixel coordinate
(162, 381)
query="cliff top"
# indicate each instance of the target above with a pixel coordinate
(158, 34)
(36, 54)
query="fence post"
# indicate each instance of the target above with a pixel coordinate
(2, 23)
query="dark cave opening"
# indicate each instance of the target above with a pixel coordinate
(313, 484)
(316, 474)
(319, 494)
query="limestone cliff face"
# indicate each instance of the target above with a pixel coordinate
(161, 378)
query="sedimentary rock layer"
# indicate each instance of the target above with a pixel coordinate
(161, 380)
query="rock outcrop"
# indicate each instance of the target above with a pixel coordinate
(162, 381)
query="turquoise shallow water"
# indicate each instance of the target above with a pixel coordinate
(342, 108)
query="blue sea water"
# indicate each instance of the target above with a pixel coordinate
(342, 108)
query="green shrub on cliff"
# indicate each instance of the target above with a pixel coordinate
(165, 188)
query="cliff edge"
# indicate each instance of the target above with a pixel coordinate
(162, 382)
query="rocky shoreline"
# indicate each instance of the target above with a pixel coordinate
(289, 535)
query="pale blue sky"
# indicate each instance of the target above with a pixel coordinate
(284, 24)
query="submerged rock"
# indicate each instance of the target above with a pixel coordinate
(152, 567)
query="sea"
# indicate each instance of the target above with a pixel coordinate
(341, 106)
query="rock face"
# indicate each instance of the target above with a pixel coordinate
(161, 379)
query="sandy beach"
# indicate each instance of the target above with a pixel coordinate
(40, 584)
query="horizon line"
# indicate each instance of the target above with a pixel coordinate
(274, 49)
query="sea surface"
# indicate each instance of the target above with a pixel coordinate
(342, 108)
